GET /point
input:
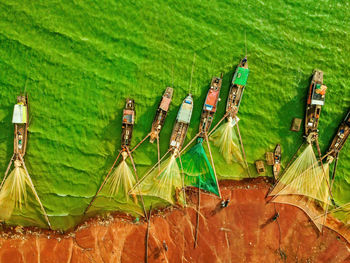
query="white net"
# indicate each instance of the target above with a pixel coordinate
(225, 138)
(305, 184)
(165, 183)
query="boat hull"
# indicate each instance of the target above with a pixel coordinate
(181, 125)
(128, 123)
(277, 161)
(314, 104)
(340, 138)
(20, 120)
(236, 89)
(210, 105)
(161, 114)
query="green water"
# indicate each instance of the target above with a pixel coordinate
(79, 60)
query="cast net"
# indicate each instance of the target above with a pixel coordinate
(197, 169)
(14, 194)
(225, 138)
(337, 219)
(165, 183)
(305, 184)
(115, 193)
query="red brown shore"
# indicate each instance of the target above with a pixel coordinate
(245, 231)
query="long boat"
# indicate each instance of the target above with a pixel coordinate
(340, 138)
(277, 161)
(315, 101)
(20, 120)
(161, 114)
(182, 122)
(128, 122)
(238, 83)
(209, 107)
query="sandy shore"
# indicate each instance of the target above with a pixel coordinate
(243, 232)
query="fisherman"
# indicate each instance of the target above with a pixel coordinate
(224, 203)
(165, 246)
(275, 217)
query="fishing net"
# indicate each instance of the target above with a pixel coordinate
(305, 185)
(337, 219)
(14, 194)
(165, 183)
(342, 213)
(115, 193)
(197, 169)
(121, 180)
(225, 138)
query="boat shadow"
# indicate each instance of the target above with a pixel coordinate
(7, 131)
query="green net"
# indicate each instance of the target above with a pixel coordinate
(197, 169)
(164, 182)
(241, 76)
(115, 193)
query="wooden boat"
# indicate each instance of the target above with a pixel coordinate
(128, 122)
(277, 161)
(315, 101)
(183, 119)
(340, 138)
(209, 107)
(20, 120)
(161, 114)
(238, 83)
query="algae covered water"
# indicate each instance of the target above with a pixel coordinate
(79, 61)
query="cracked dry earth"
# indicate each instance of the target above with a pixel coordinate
(243, 232)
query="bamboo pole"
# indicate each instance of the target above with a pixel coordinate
(7, 171)
(149, 171)
(245, 158)
(191, 141)
(137, 180)
(137, 145)
(334, 169)
(216, 125)
(324, 173)
(212, 163)
(183, 180)
(147, 233)
(35, 193)
(198, 210)
(103, 183)
(158, 150)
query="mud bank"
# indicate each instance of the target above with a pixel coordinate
(245, 231)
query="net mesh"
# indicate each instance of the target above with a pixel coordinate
(197, 169)
(115, 193)
(14, 193)
(342, 213)
(305, 185)
(337, 219)
(225, 138)
(165, 183)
